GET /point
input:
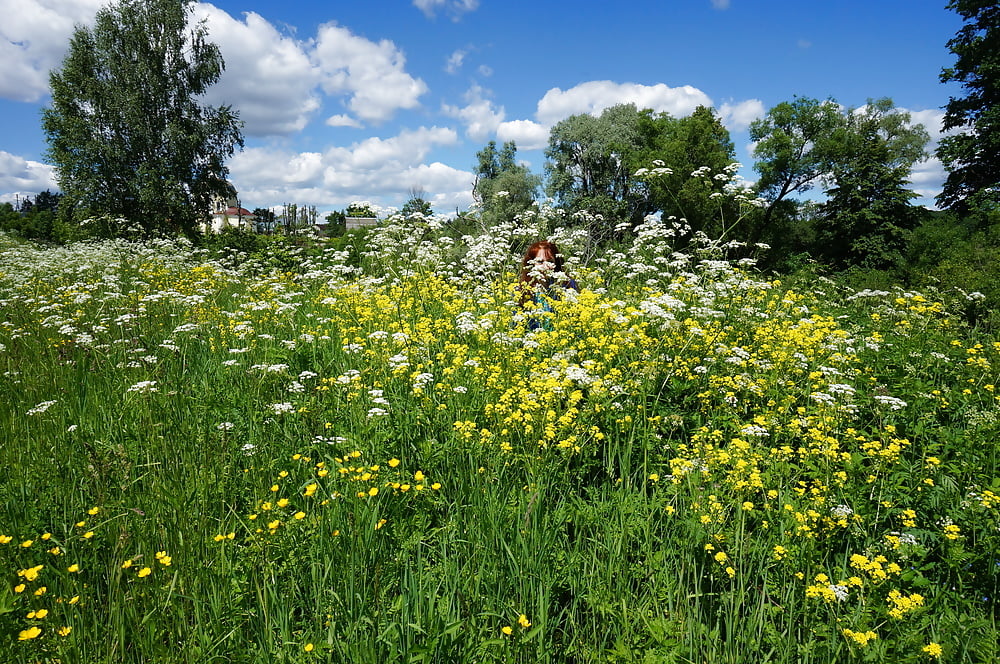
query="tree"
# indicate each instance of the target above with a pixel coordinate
(867, 218)
(361, 209)
(126, 129)
(417, 204)
(336, 223)
(698, 143)
(265, 219)
(589, 167)
(503, 188)
(46, 200)
(972, 157)
(794, 149)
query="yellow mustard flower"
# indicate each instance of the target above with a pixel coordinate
(933, 649)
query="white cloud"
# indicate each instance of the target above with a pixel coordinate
(737, 117)
(343, 121)
(595, 96)
(928, 176)
(379, 169)
(454, 7)
(528, 135)
(932, 120)
(34, 35)
(485, 71)
(455, 61)
(720, 4)
(269, 77)
(480, 116)
(371, 74)
(22, 176)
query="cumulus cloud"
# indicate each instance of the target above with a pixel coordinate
(595, 96)
(737, 117)
(528, 135)
(371, 74)
(480, 116)
(375, 168)
(34, 35)
(928, 176)
(456, 8)
(269, 77)
(22, 176)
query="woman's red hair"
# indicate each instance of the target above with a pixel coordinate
(532, 253)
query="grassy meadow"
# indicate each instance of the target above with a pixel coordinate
(334, 456)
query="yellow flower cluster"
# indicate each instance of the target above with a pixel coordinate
(860, 638)
(900, 604)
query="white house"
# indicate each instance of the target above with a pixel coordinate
(231, 216)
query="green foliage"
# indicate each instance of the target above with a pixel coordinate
(698, 143)
(972, 156)
(588, 169)
(503, 188)
(417, 205)
(336, 223)
(794, 148)
(360, 209)
(867, 218)
(126, 129)
(593, 161)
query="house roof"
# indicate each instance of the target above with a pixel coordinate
(234, 212)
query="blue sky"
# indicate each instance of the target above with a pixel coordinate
(348, 101)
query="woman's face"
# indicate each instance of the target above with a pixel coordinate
(544, 261)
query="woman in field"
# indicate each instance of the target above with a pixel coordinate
(542, 281)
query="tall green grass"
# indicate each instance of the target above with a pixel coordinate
(382, 464)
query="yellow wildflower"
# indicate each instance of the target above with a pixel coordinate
(29, 633)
